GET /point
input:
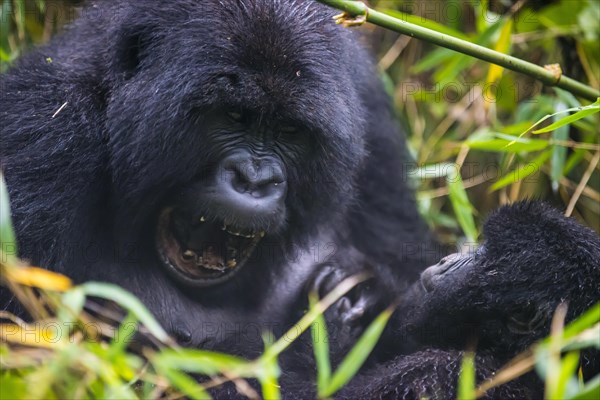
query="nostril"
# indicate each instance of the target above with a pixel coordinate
(240, 182)
(248, 187)
(257, 181)
(257, 178)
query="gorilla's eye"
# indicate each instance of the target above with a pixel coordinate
(236, 116)
(288, 129)
(525, 321)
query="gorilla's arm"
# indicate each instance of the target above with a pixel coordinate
(53, 167)
(429, 374)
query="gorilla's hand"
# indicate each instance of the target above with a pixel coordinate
(351, 309)
(351, 314)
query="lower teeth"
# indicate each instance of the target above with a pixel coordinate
(189, 255)
(210, 259)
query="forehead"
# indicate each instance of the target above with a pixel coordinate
(270, 55)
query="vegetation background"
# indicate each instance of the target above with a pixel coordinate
(460, 115)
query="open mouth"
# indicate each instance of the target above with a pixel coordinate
(201, 252)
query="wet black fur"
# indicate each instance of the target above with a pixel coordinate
(104, 124)
(101, 126)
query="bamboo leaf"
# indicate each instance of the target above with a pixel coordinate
(508, 146)
(463, 209)
(39, 278)
(503, 46)
(582, 112)
(128, 302)
(466, 379)
(359, 353)
(591, 391)
(8, 243)
(186, 384)
(522, 172)
(199, 361)
(321, 347)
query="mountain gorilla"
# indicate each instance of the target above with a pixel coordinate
(501, 297)
(208, 156)
(219, 159)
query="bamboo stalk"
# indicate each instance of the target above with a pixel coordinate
(546, 76)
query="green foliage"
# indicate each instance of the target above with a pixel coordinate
(320, 339)
(481, 136)
(466, 379)
(8, 243)
(524, 140)
(556, 359)
(128, 302)
(355, 359)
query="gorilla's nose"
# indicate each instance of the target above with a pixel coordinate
(252, 184)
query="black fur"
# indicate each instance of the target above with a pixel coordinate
(498, 300)
(123, 115)
(111, 121)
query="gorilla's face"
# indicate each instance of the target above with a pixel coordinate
(226, 135)
(211, 225)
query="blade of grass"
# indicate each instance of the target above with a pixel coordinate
(344, 287)
(522, 172)
(186, 384)
(358, 355)
(582, 112)
(462, 206)
(130, 303)
(123, 335)
(321, 347)
(559, 153)
(200, 361)
(591, 391)
(567, 379)
(466, 379)
(8, 242)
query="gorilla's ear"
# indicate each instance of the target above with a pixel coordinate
(131, 48)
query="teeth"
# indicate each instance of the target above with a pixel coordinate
(231, 252)
(209, 259)
(219, 267)
(239, 234)
(189, 255)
